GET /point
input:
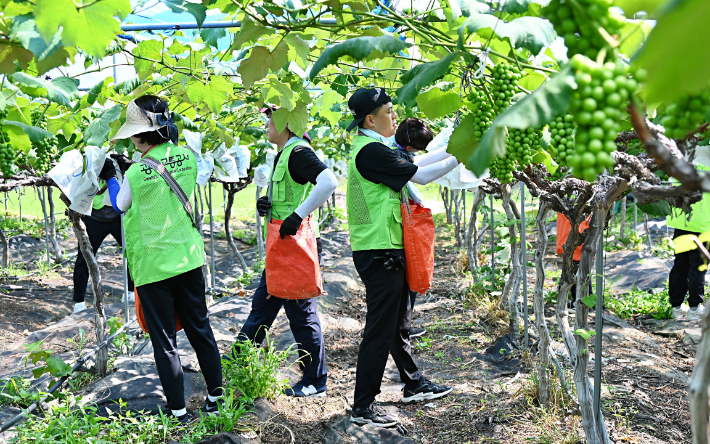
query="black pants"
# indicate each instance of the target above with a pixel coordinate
(97, 232)
(572, 299)
(183, 295)
(412, 298)
(389, 314)
(685, 278)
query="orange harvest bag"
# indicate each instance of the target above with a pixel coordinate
(141, 318)
(418, 230)
(292, 265)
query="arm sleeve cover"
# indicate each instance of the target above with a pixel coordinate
(432, 157)
(430, 173)
(121, 198)
(326, 183)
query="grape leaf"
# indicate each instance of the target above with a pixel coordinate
(33, 132)
(213, 94)
(96, 134)
(91, 27)
(197, 10)
(10, 53)
(656, 209)
(212, 35)
(631, 7)
(467, 8)
(586, 334)
(60, 90)
(423, 75)
(522, 6)
(297, 119)
(633, 34)
(262, 60)
(531, 33)
(358, 48)
(249, 32)
(590, 300)
(436, 103)
(24, 30)
(676, 54)
(324, 106)
(275, 89)
(532, 80)
(94, 92)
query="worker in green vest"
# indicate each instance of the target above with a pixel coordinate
(165, 250)
(685, 278)
(300, 184)
(376, 177)
(102, 221)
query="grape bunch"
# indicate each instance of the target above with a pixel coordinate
(7, 153)
(501, 168)
(523, 144)
(45, 149)
(597, 105)
(483, 112)
(686, 115)
(580, 26)
(505, 85)
(562, 138)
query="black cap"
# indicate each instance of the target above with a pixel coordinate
(364, 101)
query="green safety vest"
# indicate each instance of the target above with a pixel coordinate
(374, 214)
(287, 194)
(699, 221)
(99, 198)
(161, 240)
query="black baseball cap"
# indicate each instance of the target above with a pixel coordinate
(364, 101)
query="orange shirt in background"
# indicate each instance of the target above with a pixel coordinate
(563, 228)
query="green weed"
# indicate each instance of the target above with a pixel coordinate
(638, 302)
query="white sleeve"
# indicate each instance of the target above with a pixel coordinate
(326, 183)
(430, 173)
(124, 199)
(432, 157)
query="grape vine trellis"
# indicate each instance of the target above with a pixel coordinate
(585, 121)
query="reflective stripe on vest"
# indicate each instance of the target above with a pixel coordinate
(374, 215)
(161, 240)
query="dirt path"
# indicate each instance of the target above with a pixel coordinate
(644, 375)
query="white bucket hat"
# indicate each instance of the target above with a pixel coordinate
(139, 121)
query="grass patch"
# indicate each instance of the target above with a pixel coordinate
(638, 302)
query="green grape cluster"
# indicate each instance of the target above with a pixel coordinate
(7, 153)
(523, 144)
(579, 22)
(482, 111)
(505, 85)
(562, 138)
(501, 168)
(45, 149)
(597, 106)
(686, 115)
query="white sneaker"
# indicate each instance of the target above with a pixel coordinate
(131, 297)
(79, 306)
(695, 313)
(677, 313)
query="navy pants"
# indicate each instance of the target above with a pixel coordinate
(303, 318)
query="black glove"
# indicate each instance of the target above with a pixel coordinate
(263, 205)
(392, 261)
(108, 171)
(123, 162)
(290, 226)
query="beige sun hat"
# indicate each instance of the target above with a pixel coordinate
(137, 122)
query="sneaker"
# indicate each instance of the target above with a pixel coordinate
(131, 298)
(212, 407)
(182, 419)
(79, 306)
(300, 390)
(375, 415)
(427, 390)
(695, 313)
(677, 313)
(414, 332)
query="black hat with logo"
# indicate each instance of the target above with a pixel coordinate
(364, 101)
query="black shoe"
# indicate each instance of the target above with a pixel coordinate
(212, 407)
(427, 390)
(414, 332)
(183, 419)
(375, 415)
